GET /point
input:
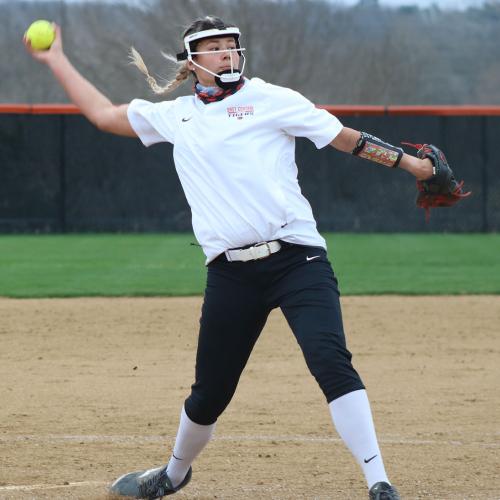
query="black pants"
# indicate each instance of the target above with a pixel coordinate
(238, 299)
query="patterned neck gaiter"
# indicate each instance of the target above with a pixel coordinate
(213, 94)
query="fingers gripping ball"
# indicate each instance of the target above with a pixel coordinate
(41, 34)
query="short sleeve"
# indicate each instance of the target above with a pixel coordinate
(152, 122)
(301, 118)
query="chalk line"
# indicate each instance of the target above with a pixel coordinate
(32, 487)
(112, 438)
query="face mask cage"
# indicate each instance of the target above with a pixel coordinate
(230, 76)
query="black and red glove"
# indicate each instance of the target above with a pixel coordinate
(442, 189)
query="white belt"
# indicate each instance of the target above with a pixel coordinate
(258, 251)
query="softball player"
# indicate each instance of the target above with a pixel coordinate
(234, 141)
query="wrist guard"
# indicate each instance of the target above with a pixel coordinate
(373, 149)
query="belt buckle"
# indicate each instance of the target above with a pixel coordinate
(262, 243)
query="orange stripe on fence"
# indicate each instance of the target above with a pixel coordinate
(55, 109)
(338, 110)
(39, 109)
(462, 110)
(23, 109)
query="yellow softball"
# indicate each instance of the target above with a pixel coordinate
(41, 34)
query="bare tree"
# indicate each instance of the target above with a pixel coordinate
(365, 54)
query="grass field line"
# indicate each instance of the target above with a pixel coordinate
(136, 439)
(32, 487)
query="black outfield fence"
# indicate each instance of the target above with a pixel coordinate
(60, 174)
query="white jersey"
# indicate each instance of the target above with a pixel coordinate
(235, 159)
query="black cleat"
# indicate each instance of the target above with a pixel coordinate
(148, 484)
(384, 491)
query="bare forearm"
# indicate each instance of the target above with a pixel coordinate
(347, 139)
(80, 91)
(421, 169)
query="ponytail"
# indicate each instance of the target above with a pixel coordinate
(182, 74)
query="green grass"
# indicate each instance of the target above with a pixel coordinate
(419, 264)
(167, 264)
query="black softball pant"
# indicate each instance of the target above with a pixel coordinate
(238, 299)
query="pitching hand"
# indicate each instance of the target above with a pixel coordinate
(52, 53)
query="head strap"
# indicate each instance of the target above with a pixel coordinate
(200, 35)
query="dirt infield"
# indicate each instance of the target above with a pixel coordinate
(92, 388)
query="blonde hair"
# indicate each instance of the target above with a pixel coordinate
(181, 75)
(183, 72)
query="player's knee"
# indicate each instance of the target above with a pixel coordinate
(333, 370)
(205, 408)
(323, 349)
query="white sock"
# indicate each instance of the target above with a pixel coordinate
(352, 417)
(191, 439)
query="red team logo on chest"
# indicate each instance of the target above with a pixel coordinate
(239, 112)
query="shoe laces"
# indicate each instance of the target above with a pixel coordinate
(425, 147)
(388, 494)
(384, 491)
(155, 485)
(416, 146)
